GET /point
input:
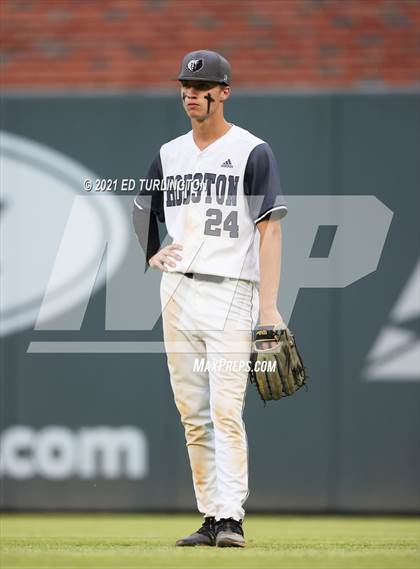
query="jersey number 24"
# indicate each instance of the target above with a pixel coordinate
(215, 219)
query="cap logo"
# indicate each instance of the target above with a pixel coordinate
(195, 64)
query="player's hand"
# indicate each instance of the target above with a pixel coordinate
(166, 257)
(270, 318)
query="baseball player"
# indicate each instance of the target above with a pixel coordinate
(217, 189)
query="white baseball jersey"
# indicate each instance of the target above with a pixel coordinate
(211, 201)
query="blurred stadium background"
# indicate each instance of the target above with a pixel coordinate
(87, 418)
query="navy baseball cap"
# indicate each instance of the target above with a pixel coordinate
(205, 65)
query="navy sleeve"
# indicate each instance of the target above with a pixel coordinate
(262, 185)
(148, 208)
(151, 197)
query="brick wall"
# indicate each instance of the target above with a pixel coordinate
(131, 44)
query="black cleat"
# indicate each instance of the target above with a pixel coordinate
(206, 535)
(229, 533)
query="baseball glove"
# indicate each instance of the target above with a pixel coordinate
(277, 370)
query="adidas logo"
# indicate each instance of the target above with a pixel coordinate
(227, 164)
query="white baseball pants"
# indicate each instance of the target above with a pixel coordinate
(207, 329)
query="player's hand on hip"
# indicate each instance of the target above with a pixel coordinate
(166, 257)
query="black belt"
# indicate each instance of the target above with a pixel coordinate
(203, 277)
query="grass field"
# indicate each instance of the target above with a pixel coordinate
(114, 541)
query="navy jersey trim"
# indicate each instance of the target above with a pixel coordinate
(148, 208)
(262, 183)
(281, 212)
(154, 172)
